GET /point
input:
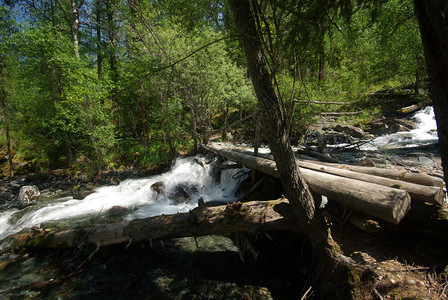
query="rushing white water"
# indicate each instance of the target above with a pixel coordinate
(134, 194)
(425, 133)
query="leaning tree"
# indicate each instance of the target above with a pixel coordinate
(327, 254)
(432, 16)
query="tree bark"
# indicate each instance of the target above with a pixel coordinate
(396, 174)
(432, 16)
(99, 49)
(272, 116)
(331, 266)
(5, 115)
(143, 115)
(111, 29)
(387, 203)
(75, 26)
(238, 217)
(418, 192)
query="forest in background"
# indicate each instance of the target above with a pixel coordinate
(101, 84)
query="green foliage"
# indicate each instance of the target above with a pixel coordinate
(153, 76)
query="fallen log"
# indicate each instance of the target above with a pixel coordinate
(412, 108)
(418, 192)
(250, 217)
(387, 203)
(322, 102)
(336, 114)
(402, 175)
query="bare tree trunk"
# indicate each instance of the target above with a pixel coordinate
(331, 266)
(194, 130)
(143, 114)
(5, 116)
(99, 49)
(321, 68)
(432, 16)
(272, 115)
(75, 26)
(71, 13)
(111, 31)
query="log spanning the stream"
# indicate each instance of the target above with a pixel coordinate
(401, 175)
(388, 203)
(430, 190)
(250, 217)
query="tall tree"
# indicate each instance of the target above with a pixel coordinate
(4, 107)
(7, 26)
(327, 254)
(70, 10)
(433, 19)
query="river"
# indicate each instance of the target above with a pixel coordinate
(178, 269)
(193, 180)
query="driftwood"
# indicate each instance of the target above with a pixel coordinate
(250, 217)
(390, 204)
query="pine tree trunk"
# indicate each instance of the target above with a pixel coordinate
(432, 16)
(143, 114)
(5, 116)
(327, 254)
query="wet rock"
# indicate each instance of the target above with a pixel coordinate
(80, 193)
(183, 192)
(158, 187)
(351, 130)
(321, 139)
(28, 195)
(336, 138)
(117, 211)
(389, 126)
(407, 124)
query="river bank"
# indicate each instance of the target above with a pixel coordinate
(222, 267)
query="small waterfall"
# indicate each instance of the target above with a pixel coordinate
(425, 133)
(192, 179)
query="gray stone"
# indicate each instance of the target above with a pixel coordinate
(351, 130)
(388, 126)
(335, 138)
(425, 160)
(28, 195)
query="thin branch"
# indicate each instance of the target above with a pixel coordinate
(185, 57)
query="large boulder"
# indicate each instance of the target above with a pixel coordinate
(351, 130)
(28, 195)
(336, 138)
